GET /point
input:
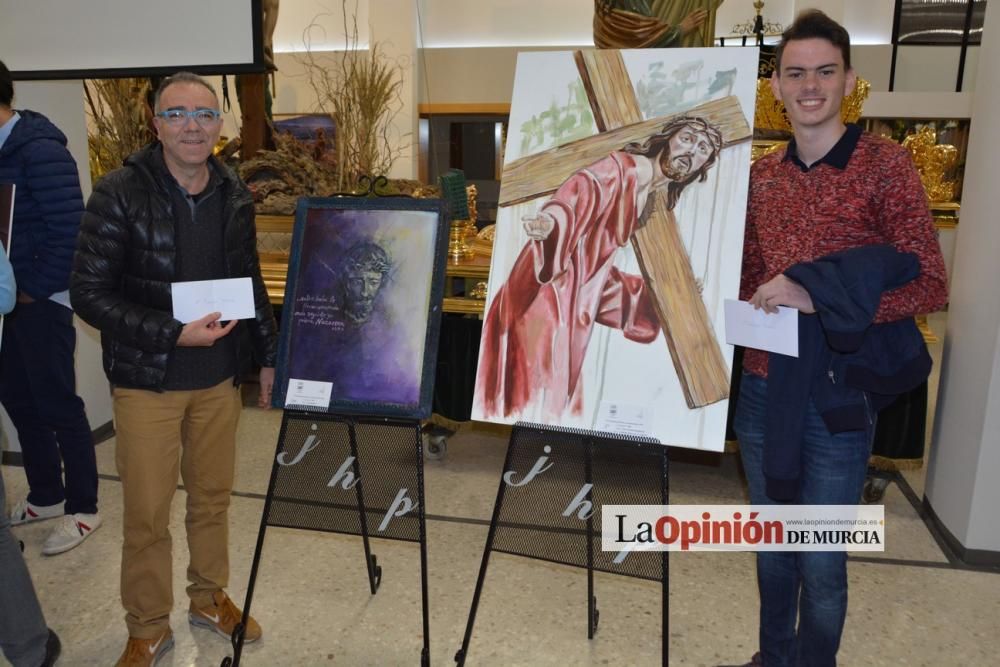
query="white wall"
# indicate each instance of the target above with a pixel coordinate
(965, 452)
(868, 21)
(919, 105)
(320, 23)
(62, 102)
(465, 23)
(394, 26)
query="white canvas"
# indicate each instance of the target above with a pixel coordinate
(627, 386)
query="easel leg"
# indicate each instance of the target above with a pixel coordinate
(239, 632)
(665, 611)
(425, 654)
(461, 654)
(665, 566)
(371, 561)
(593, 614)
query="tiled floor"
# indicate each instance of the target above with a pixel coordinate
(909, 606)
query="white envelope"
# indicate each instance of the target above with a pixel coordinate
(193, 300)
(773, 332)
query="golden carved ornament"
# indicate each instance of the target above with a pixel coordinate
(482, 244)
(463, 231)
(761, 148)
(488, 233)
(933, 162)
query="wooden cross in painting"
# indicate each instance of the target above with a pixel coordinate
(663, 259)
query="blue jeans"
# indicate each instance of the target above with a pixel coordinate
(23, 632)
(808, 587)
(38, 389)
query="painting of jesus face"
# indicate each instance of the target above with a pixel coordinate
(362, 306)
(688, 152)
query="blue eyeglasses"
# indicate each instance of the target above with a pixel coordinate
(178, 117)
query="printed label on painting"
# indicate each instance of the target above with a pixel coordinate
(624, 419)
(308, 393)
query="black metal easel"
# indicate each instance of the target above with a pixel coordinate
(613, 469)
(299, 494)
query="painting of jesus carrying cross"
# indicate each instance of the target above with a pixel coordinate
(619, 235)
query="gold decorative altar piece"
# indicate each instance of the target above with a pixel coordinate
(458, 247)
(479, 291)
(482, 244)
(462, 230)
(933, 162)
(470, 224)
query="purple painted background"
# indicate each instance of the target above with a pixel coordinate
(379, 360)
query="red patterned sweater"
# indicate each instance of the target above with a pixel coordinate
(865, 191)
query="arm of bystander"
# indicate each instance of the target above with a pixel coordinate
(8, 289)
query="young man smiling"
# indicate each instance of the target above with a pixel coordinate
(833, 193)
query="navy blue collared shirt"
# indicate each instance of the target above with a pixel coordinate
(838, 156)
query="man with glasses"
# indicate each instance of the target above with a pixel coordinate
(173, 213)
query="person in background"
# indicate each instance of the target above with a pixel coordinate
(37, 375)
(25, 639)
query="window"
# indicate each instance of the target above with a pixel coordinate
(939, 21)
(921, 25)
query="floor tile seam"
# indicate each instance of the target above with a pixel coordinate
(930, 564)
(444, 518)
(902, 562)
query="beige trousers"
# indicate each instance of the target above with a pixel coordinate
(159, 434)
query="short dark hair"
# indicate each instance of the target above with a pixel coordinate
(814, 24)
(6, 86)
(181, 77)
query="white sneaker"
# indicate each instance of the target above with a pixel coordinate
(72, 529)
(25, 512)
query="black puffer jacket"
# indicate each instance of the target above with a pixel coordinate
(126, 259)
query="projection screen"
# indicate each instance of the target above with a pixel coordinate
(73, 39)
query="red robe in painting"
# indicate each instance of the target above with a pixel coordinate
(536, 333)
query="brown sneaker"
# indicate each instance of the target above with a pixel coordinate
(145, 652)
(222, 616)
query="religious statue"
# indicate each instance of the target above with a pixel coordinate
(269, 18)
(640, 24)
(675, 11)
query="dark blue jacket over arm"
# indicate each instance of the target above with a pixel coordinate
(847, 366)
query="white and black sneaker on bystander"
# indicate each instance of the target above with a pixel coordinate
(25, 512)
(70, 532)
